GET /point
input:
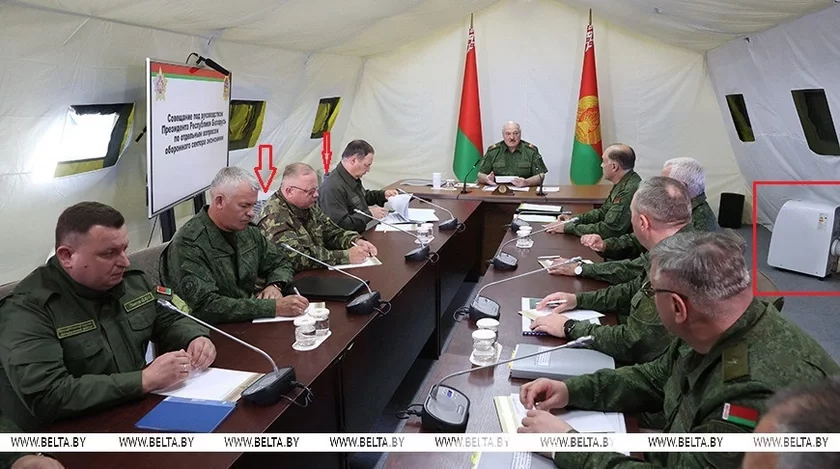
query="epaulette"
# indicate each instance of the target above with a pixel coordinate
(492, 146)
(736, 362)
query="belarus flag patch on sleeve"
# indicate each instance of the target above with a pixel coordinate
(740, 415)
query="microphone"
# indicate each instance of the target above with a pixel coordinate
(447, 225)
(267, 390)
(212, 64)
(363, 304)
(483, 307)
(447, 409)
(540, 192)
(466, 176)
(505, 261)
(416, 254)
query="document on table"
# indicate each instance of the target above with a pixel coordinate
(369, 262)
(505, 179)
(511, 412)
(216, 384)
(526, 207)
(529, 310)
(422, 215)
(312, 305)
(531, 218)
(546, 262)
(404, 226)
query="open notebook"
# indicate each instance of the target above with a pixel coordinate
(511, 412)
(529, 312)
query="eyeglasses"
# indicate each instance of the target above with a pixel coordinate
(649, 291)
(310, 192)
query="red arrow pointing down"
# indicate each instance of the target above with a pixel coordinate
(265, 182)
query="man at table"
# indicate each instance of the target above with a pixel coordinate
(732, 353)
(660, 209)
(686, 170)
(512, 157)
(342, 192)
(214, 260)
(613, 218)
(291, 216)
(813, 408)
(74, 332)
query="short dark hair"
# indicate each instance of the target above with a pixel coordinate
(358, 148)
(623, 155)
(80, 218)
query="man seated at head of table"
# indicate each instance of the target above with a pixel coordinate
(627, 247)
(292, 216)
(813, 408)
(512, 157)
(74, 332)
(613, 218)
(214, 260)
(660, 209)
(732, 353)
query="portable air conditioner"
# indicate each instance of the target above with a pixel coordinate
(806, 238)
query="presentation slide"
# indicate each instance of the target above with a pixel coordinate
(187, 117)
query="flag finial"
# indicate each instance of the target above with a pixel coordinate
(471, 20)
(590, 16)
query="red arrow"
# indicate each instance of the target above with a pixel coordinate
(265, 183)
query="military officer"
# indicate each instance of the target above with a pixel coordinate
(292, 216)
(612, 218)
(342, 192)
(512, 157)
(74, 332)
(214, 260)
(686, 170)
(732, 353)
(660, 209)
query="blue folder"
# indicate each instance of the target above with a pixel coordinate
(177, 414)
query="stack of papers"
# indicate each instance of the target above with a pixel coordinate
(546, 261)
(369, 262)
(504, 179)
(526, 207)
(532, 218)
(511, 412)
(214, 384)
(312, 305)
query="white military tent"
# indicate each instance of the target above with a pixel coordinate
(664, 67)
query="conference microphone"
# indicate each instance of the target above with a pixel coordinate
(416, 254)
(212, 64)
(267, 390)
(447, 410)
(505, 261)
(466, 176)
(447, 225)
(483, 307)
(540, 192)
(363, 304)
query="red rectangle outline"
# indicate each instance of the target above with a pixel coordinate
(755, 185)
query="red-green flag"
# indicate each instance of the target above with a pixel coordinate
(586, 154)
(468, 144)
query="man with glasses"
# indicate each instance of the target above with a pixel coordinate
(342, 192)
(292, 216)
(731, 354)
(512, 157)
(660, 209)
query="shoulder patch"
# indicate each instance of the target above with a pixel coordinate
(735, 362)
(743, 416)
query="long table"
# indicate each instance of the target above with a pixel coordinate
(481, 386)
(352, 374)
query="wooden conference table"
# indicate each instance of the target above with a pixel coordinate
(353, 374)
(480, 387)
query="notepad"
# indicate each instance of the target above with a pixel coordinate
(546, 261)
(178, 414)
(533, 218)
(510, 412)
(216, 384)
(526, 207)
(369, 262)
(312, 305)
(504, 179)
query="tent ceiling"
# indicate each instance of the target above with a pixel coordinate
(367, 27)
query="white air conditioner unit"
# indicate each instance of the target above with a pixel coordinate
(806, 238)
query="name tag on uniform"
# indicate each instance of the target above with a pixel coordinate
(75, 329)
(138, 302)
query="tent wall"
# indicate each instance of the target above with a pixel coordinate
(49, 61)
(803, 54)
(655, 97)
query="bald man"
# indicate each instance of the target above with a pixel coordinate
(512, 157)
(809, 409)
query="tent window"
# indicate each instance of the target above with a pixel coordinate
(740, 117)
(817, 124)
(94, 137)
(246, 121)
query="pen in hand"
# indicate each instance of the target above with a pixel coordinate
(363, 249)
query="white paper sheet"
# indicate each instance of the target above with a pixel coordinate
(546, 261)
(488, 188)
(312, 305)
(551, 188)
(520, 189)
(537, 218)
(404, 226)
(216, 384)
(584, 421)
(422, 215)
(504, 179)
(526, 207)
(399, 205)
(369, 262)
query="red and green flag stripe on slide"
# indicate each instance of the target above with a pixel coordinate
(184, 72)
(586, 153)
(468, 143)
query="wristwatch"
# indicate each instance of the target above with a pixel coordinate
(568, 327)
(578, 269)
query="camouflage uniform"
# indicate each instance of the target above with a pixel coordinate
(67, 350)
(628, 247)
(612, 218)
(615, 272)
(216, 272)
(341, 194)
(757, 356)
(524, 162)
(307, 230)
(640, 335)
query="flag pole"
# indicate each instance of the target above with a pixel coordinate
(590, 16)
